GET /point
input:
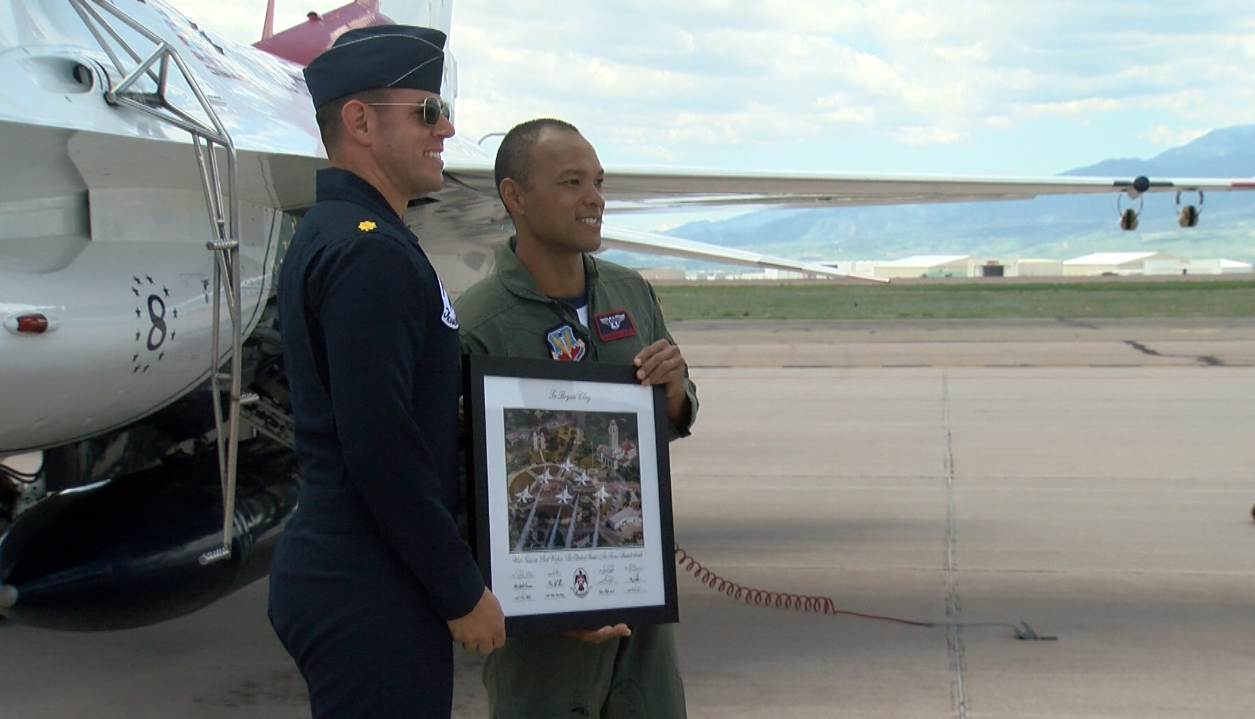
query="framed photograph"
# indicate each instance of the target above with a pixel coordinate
(570, 493)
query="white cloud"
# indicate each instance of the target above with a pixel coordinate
(920, 136)
(654, 79)
(851, 115)
(968, 53)
(1086, 106)
(1163, 135)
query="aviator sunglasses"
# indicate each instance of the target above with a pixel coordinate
(434, 108)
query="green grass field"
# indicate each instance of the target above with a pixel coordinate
(994, 299)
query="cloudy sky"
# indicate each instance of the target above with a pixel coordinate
(928, 86)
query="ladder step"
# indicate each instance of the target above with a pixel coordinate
(249, 398)
(217, 245)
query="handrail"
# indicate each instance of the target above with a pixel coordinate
(208, 140)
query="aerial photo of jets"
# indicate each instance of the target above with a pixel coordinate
(152, 174)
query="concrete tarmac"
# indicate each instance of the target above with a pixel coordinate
(1093, 480)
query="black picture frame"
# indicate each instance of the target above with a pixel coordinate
(532, 543)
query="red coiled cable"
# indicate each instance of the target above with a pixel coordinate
(768, 598)
(822, 605)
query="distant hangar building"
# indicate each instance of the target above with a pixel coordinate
(1111, 263)
(925, 266)
(1031, 267)
(1220, 267)
(1196, 267)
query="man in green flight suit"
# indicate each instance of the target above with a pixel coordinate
(550, 298)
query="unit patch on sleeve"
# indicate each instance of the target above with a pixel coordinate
(447, 316)
(565, 345)
(614, 325)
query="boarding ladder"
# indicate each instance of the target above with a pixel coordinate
(209, 140)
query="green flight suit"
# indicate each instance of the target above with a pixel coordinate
(506, 314)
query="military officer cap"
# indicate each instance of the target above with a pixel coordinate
(370, 58)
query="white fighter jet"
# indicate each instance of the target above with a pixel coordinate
(151, 175)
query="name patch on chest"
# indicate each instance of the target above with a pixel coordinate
(565, 345)
(614, 325)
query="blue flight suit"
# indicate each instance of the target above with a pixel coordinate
(371, 566)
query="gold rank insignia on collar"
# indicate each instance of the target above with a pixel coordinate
(366, 225)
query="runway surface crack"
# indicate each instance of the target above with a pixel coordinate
(954, 633)
(1142, 348)
(1076, 323)
(1208, 360)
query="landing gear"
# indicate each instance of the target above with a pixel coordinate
(8, 500)
(22, 485)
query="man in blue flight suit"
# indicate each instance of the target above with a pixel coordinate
(370, 579)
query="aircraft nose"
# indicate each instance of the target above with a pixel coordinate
(8, 596)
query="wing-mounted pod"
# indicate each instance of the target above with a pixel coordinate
(1187, 215)
(1128, 215)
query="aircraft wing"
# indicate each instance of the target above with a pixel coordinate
(662, 188)
(631, 189)
(460, 222)
(666, 188)
(619, 238)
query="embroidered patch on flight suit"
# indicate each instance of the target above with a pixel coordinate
(565, 345)
(366, 225)
(614, 325)
(448, 316)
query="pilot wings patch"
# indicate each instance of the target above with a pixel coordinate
(614, 325)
